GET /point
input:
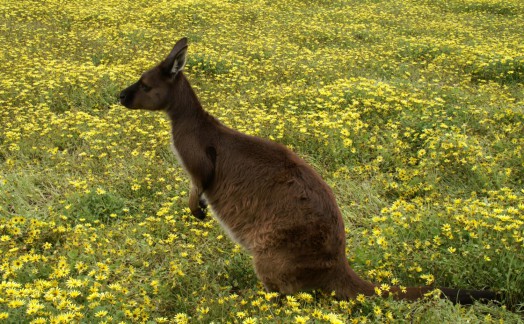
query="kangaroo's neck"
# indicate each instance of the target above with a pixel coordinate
(184, 105)
(188, 118)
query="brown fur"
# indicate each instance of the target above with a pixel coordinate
(267, 198)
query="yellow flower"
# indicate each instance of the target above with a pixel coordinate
(332, 318)
(15, 303)
(301, 319)
(101, 313)
(74, 293)
(305, 297)
(181, 318)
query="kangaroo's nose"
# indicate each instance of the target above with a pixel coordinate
(122, 95)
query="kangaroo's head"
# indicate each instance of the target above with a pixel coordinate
(153, 91)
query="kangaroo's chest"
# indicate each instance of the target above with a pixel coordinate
(177, 154)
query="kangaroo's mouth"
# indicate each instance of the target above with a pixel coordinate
(127, 95)
(126, 103)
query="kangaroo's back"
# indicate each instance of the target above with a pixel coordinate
(263, 186)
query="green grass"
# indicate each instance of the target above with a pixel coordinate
(412, 111)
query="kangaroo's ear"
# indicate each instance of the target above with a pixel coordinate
(176, 60)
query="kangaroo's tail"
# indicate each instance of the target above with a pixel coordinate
(466, 296)
(457, 296)
(350, 285)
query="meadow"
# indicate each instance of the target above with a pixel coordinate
(413, 112)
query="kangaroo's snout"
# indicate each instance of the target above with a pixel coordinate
(126, 96)
(123, 96)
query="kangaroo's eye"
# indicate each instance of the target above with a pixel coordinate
(144, 87)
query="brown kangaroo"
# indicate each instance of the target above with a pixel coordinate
(266, 198)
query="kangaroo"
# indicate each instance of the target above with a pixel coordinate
(267, 199)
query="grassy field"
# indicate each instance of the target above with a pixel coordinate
(413, 111)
